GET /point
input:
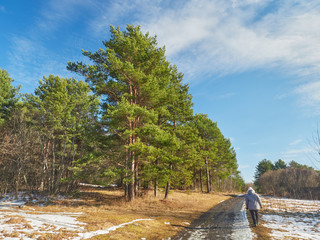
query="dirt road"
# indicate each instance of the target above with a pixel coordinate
(226, 220)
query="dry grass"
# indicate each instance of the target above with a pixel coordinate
(260, 231)
(14, 234)
(105, 208)
(16, 220)
(60, 235)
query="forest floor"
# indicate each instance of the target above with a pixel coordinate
(102, 214)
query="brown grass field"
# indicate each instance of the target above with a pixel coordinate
(105, 208)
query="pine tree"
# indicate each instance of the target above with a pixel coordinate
(140, 89)
(8, 95)
(62, 111)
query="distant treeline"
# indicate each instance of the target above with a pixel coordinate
(130, 123)
(292, 181)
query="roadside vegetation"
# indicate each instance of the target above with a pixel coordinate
(128, 123)
(291, 181)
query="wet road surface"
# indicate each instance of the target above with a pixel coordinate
(227, 220)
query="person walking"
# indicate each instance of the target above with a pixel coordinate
(253, 204)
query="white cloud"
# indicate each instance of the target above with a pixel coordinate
(211, 38)
(296, 153)
(296, 142)
(223, 39)
(2, 9)
(310, 96)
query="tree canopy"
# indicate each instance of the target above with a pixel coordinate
(8, 95)
(293, 180)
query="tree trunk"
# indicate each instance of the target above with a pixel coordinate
(201, 184)
(126, 191)
(208, 176)
(136, 177)
(167, 190)
(132, 179)
(168, 185)
(155, 187)
(61, 167)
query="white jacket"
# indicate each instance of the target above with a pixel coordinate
(253, 201)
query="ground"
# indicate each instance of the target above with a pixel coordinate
(103, 214)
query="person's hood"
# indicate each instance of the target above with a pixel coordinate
(250, 190)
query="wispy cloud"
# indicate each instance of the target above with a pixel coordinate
(57, 12)
(216, 37)
(309, 95)
(227, 95)
(224, 38)
(296, 142)
(292, 154)
(30, 61)
(210, 38)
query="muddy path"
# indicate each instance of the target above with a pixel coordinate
(227, 220)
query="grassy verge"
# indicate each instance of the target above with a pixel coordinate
(261, 232)
(106, 208)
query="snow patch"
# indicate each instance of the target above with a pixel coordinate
(291, 218)
(106, 231)
(24, 222)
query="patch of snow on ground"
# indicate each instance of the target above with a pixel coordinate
(291, 218)
(26, 223)
(20, 223)
(106, 231)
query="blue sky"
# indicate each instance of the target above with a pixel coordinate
(252, 65)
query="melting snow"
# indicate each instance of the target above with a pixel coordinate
(106, 231)
(16, 223)
(241, 229)
(291, 218)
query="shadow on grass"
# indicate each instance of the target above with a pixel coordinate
(93, 198)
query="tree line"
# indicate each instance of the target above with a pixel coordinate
(293, 180)
(130, 123)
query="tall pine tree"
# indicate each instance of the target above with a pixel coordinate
(136, 82)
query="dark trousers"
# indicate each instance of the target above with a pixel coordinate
(254, 215)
